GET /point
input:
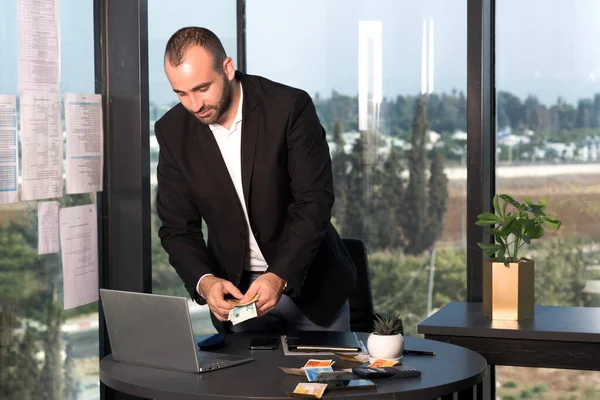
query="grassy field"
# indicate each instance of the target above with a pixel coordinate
(574, 199)
(546, 383)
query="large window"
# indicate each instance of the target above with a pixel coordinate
(164, 18)
(548, 147)
(45, 351)
(388, 79)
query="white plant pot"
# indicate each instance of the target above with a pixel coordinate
(385, 346)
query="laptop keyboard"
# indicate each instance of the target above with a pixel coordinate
(215, 361)
(211, 363)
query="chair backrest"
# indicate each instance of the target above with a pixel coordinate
(361, 299)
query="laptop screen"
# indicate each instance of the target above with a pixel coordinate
(149, 329)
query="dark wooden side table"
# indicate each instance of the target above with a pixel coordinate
(557, 337)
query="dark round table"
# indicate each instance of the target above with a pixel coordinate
(453, 369)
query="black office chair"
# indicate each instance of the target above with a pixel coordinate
(361, 299)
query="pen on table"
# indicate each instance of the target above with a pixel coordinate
(418, 353)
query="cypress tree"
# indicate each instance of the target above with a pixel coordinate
(338, 136)
(354, 225)
(390, 211)
(438, 199)
(415, 221)
(339, 161)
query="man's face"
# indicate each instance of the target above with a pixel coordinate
(203, 91)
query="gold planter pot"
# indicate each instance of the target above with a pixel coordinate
(508, 289)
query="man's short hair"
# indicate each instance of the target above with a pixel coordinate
(184, 38)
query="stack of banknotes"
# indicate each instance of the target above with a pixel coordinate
(242, 312)
(318, 371)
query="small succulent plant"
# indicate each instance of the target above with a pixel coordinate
(388, 324)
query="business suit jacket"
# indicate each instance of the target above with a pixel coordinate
(288, 190)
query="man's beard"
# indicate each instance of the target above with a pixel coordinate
(220, 108)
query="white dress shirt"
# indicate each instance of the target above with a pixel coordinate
(230, 145)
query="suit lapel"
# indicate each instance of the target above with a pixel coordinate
(213, 157)
(212, 154)
(250, 124)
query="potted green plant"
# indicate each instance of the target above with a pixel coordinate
(508, 279)
(386, 341)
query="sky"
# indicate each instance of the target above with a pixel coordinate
(544, 47)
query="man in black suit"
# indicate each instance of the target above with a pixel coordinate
(250, 157)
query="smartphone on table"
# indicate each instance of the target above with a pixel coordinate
(264, 343)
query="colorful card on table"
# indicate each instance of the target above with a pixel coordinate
(309, 390)
(318, 363)
(379, 363)
(312, 373)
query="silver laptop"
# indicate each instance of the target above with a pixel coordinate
(154, 330)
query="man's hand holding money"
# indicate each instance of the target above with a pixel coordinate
(269, 288)
(214, 291)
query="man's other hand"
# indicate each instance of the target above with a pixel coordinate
(269, 286)
(214, 291)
